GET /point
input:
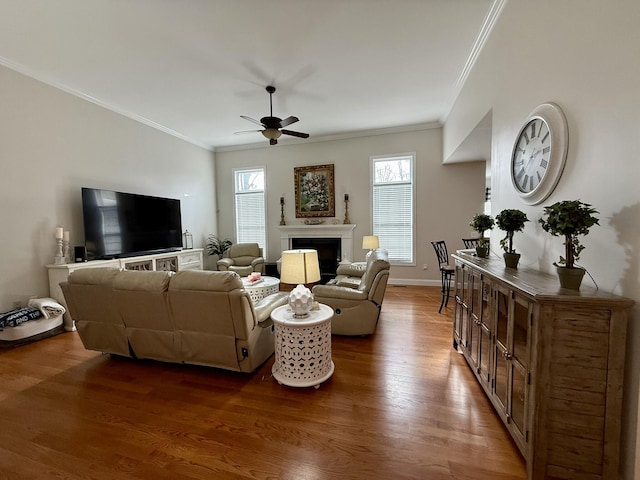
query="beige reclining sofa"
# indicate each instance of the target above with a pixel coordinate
(197, 317)
(357, 306)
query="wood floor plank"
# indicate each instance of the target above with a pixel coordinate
(401, 404)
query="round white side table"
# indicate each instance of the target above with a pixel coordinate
(303, 347)
(258, 290)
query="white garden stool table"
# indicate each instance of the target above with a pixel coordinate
(262, 288)
(303, 347)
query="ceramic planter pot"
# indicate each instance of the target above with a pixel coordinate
(482, 252)
(511, 259)
(570, 278)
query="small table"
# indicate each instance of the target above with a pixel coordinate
(263, 288)
(303, 347)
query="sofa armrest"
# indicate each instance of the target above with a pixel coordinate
(268, 304)
(334, 291)
(352, 269)
(225, 262)
(351, 282)
(257, 261)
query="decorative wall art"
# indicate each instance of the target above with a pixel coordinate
(314, 191)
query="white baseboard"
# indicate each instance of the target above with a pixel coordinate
(416, 282)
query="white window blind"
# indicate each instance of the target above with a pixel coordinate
(393, 209)
(250, 207)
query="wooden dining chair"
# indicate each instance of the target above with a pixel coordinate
(470, 242)
(446, 271)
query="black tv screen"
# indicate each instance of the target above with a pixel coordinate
(120, 224)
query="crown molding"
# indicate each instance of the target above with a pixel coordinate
(481, 39)
(52, 82)
(335, 136)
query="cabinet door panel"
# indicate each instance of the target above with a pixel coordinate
(486, 309)
(457, 324)
(502, 316)
(501, 377)
(484, 362)
(518, 397)
(521, 315)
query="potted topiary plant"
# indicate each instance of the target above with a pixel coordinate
(480, 223)
(218, 247)
(510, 221)
(570, 218)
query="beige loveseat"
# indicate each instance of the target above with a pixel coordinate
(357, 307)
(197, 317)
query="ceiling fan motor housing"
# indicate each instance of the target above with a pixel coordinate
(271, 122)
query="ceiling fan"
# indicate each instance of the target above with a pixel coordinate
(274, 126)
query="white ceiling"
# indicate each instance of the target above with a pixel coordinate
(192, 67)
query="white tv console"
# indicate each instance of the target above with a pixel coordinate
(170, 261)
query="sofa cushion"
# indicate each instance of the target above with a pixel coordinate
(93, 276)
(142, 281)
(141, 297)
(89, 296)
(204, 280)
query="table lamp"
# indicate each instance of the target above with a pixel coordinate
(370, 242)
(301, 267)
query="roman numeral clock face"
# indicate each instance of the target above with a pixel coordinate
(539, 153)
(531, 159)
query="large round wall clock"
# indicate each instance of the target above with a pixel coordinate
(539, 153)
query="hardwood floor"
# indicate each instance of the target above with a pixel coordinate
(400, 405)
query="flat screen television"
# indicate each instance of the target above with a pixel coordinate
(118, 224)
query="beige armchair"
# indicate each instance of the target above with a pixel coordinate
(243, 258)
(356, 310)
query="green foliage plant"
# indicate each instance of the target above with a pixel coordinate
(218, 247)
(569, 218)
(510, 221)
(480, 223)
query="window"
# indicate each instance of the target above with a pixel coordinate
(393, 194)
(250, 207)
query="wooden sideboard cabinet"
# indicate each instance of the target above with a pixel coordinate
(172, 261)
(550, 360)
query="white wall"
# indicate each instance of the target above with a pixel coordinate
(447, 196)
(581, 54)
(51, 145)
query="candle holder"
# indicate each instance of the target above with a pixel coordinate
(346, 210)
(65, 251)
(282, 221)
(59, 257)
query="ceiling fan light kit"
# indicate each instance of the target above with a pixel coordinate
(273, 126)
(271, 133)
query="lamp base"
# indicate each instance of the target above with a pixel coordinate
(300, 301)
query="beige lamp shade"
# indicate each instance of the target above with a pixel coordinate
(300, 266)
(370, 242)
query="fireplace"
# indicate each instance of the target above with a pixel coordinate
(328, 253)
(340, 234)
(341, 231)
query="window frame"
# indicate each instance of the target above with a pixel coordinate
(411, 262)
(236, 172)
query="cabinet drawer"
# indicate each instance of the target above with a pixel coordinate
(190, 260)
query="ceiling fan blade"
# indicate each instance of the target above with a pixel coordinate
(295, 134)
(247, 131)
(289, 121)
(252, 120)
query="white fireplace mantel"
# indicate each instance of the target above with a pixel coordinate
(341, 231)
